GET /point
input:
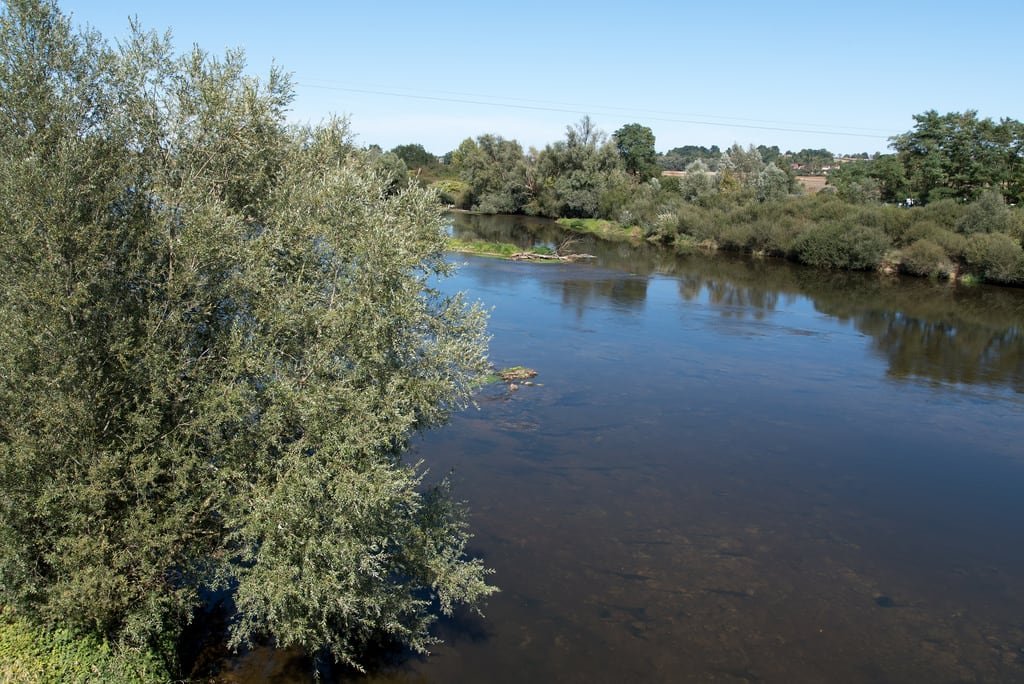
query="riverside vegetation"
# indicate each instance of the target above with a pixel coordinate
(217, 335)
(962, 177)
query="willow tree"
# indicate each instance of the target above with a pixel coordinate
(217, 335)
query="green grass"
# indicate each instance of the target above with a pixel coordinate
(501, 250)
(606, 230)
(31, 654)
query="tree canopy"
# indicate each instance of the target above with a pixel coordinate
(635, 144)
(217, 334)
(960, 155)
(495, 171)
(414, 155)
(679, 158)
(572, 174)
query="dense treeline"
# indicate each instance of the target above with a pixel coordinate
(217, 334)
(949, 156)
(961, 174)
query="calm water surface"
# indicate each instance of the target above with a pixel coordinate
(735, 471)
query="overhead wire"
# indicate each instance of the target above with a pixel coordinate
(651, 115)
(327, 83)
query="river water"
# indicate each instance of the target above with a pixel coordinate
(732, 470)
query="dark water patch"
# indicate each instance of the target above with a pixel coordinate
(883, 601)
(730, 593)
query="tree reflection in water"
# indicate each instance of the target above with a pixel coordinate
(924, 329)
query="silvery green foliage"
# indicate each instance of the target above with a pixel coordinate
(772, 184)
(745, 164)
(217, 334)
(573, 174)
(495, 171)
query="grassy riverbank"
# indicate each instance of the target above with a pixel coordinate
(31, 654)
(601, 228)
(499, 250)
(945, 239)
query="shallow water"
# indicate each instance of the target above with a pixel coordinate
(733, 470)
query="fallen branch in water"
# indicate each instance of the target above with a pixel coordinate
(529, 256)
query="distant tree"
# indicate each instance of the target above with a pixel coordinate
(854, 183)
(391, 168)
(584, 133)
(769, 155)
(772, 184)
(678, 158)
(698, 184)
(811, 160)
(744, 164)
(1012, 141)
(495, 171)
(891, 177)
(571, 175)
(414, 156)
(959, 155)
(635, 144)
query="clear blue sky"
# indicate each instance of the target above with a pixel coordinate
(839, 75)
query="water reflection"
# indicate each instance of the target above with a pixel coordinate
(924, 329)
(625, 294)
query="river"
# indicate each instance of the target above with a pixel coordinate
(732, 470)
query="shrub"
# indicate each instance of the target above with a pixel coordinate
(664, 228)
(995, 257)
(496, 203)
(926, 258)
(671, 185)
(736, 235)
(825, 206)
(987, 214)
(952, 243)
(1017, 224)
(854, 247)
(698, 223)
(893, 221)
(30, 654)
(945, 212)
(453, 192)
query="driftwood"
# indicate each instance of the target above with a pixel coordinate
(557, 256)
(530, 256)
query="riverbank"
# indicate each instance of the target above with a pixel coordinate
(601, 228)
(512, 252)
(944, 240)
(498, 250)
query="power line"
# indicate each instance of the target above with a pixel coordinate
(577, 107)
(572, 109)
